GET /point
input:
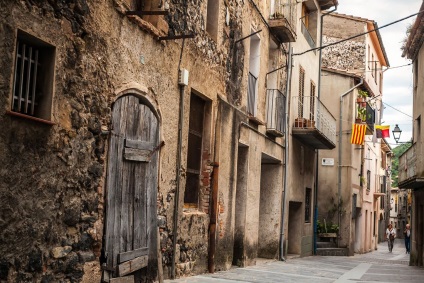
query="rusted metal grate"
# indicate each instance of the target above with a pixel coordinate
(25, 79)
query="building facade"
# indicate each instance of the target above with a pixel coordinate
(352, 178)
(411, 165)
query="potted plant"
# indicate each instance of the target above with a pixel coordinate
(327, 231)
(362, 180)
(310, 124)
(299, 122)
(362, 95)
(362, 114)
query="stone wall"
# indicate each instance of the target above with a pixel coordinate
(348, 55)
(52, 177)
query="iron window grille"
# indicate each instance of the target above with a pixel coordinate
(33, 77)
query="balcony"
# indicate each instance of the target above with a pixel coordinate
(307, 35)
(409, 178)
(326, 4)
(314, 125)
(275, 112)
(282, 20)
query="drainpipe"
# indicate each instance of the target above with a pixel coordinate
(178, 178)
(182, 82)
(339, 177)
(286, 154)
(316, 151)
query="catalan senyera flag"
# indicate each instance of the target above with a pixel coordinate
(382, 131)
(358, 134)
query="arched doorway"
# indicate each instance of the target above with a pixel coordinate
(130, 241)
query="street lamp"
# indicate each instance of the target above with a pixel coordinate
(396, 133)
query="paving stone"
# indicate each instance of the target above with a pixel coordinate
(379, 265)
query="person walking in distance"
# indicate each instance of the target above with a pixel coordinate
(407, 234)
(390, 236)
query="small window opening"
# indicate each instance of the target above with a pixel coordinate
(308, 205)
(33, 77)
(194, 152)
(212, 19)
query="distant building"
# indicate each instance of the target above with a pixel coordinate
(353, 187)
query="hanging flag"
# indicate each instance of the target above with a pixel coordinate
(382, 131)
(358, 134)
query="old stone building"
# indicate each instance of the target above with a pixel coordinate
(353, 178)
(146, 139)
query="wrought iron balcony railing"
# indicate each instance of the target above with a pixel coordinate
(312, 114)
(283, 19)
(283, 9)
(275, 112)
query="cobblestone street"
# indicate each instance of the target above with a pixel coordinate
(376, 266)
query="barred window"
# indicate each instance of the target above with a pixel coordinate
(308, 205)
(33, 77)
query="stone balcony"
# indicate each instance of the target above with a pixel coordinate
(282, 20)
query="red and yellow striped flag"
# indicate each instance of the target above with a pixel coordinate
(358, 134)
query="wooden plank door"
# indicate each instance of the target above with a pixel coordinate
(131, 189)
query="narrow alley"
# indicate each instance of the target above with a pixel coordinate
(376, 266)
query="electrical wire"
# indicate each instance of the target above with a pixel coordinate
(397, 109)
(358, 35)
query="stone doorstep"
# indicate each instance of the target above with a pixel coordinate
(332, 251)
(326, 245)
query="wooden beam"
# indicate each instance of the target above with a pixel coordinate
(132, 265)
(139, 144)
(134, 154)
(192, 35)
(145, 13)
(125, 256)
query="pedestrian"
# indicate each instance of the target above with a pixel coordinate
(390, 236)
(407, 234)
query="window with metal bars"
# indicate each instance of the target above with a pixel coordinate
(368, 180)
(33, 77)
(308, 205)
